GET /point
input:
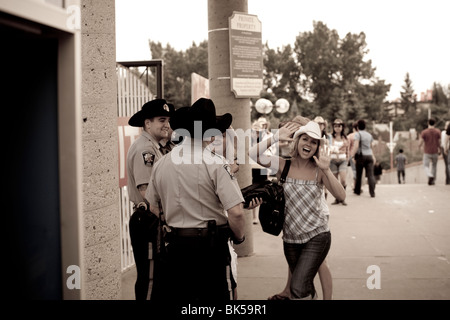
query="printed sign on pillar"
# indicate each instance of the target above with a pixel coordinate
(246, 61)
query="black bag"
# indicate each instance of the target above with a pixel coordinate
(271, 211)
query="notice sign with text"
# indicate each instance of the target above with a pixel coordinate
(246, 61)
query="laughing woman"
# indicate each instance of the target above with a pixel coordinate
(306, 235)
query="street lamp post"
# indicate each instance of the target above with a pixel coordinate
(391, 145)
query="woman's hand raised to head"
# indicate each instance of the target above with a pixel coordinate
(285, 132)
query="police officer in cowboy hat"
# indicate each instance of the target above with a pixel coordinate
(193, 187)
(153, 118)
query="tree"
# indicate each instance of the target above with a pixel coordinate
(352, 50)
(178, 66)
(317, 57)
(408, 98)
(438, 96)
(371, 96)
(281, 75)
(334, 70)
(322, 75)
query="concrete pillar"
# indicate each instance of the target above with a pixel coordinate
(102, 257)
(220, 90)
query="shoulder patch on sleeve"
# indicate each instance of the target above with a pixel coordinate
(148, 158)
(227, 168)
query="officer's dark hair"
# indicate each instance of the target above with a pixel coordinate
(431, 121)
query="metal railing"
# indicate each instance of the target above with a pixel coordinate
(132, 93)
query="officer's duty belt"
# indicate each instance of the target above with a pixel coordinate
(197, 232)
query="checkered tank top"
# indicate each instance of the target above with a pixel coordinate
(306, 210)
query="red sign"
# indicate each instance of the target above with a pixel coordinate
(126, 134)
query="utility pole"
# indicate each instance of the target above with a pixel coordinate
(219, 11)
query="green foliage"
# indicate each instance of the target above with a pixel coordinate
(439, 97)
(281, 74)
(342, 82)
(322, 75)
(417, 113)
(178, 66)
(408, 98)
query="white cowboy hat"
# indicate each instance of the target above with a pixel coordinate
(312, 129)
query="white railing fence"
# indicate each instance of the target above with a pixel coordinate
(132, 93)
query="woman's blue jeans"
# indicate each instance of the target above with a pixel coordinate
(304, 260)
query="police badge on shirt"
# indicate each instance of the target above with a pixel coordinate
(149, 158)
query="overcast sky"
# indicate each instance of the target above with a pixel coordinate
(402, 35)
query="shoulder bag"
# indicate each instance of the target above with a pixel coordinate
(271, 211)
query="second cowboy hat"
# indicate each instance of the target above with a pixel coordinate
(202, 111)
(153, 108)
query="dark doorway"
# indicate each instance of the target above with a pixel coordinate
(29, 60)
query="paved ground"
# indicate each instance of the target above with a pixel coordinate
(404, 233)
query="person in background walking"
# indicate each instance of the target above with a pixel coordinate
(447, 146)
(377, 171)
(400, 162)
(363, 154)
(351, 140)
(430, 138)
(323, 129)
(339, 147)
(445, 155)
(260, 132)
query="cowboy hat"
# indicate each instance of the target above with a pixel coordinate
(153, 108)
(312, 129)
(203, 110)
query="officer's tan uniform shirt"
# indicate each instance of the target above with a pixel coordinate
(193, 191)
(141, 157)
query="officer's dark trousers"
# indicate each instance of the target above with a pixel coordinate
(141, 286)
(197, 271)
(143, 233)
(142, 269)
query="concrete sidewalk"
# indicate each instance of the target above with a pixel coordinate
(404, 231)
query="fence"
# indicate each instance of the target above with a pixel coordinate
(132, 93)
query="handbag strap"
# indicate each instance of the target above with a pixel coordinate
(284, 174)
